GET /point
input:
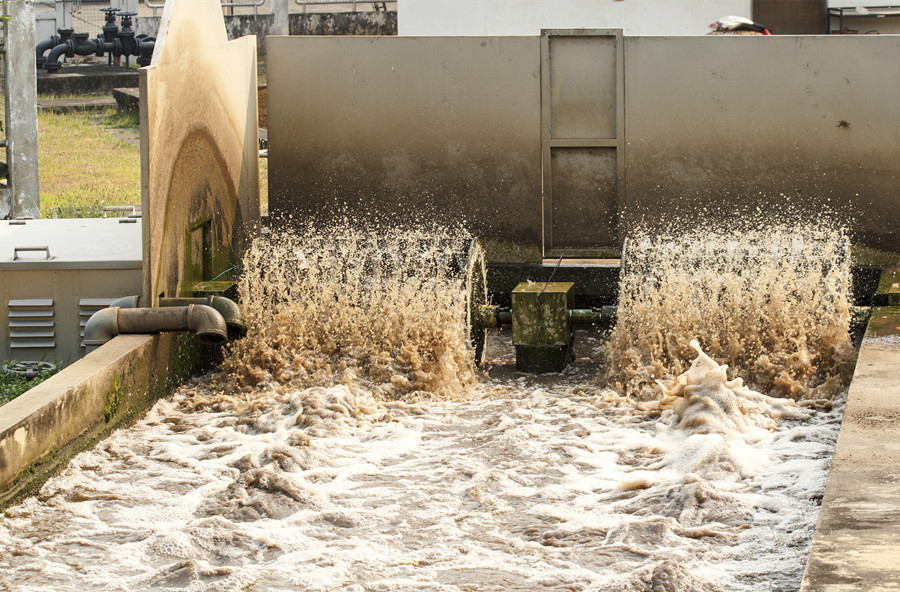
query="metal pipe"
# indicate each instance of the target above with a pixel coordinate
(51, 64)
(43, 47)
(255, 5)
(230, 311)
(492, 316)
(144, 49)
(226, 307)
(79, 44)
(204, 321)
(592, 316)
(154, 6)
(126, 302)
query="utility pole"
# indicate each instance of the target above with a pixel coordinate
(23, 197)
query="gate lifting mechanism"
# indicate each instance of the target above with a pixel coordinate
(113, 42)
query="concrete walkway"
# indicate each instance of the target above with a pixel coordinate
(857, 541)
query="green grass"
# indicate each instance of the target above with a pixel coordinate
(12, 386)
(87, 162)
(84, 165)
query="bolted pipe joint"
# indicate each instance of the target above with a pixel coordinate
(204, 321)
(79, 44)
(82, 46)
(63, 35)
(43, 47)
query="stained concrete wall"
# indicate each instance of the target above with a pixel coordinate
(200, 166)
(421, 130)
(725, 127)
(716, 126)
(528, 17)
(324, 23)
(200, 205)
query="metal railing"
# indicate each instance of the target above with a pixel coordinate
(231, 5)
(255, 5)
(154, 6)
(377, 6)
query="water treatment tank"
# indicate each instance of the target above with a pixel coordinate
(54, 274)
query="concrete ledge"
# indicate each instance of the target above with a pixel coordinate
(127, 99)
(70, 412)
(86, 80)
(856, 545)
(70, 105)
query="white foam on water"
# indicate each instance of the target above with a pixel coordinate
(519, 489)
(329, 454)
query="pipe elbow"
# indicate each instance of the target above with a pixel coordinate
(231, 312)
(144, 48)
(207, 323)
(101, 327)
(127, 302)
(51, 64)
(43, 47)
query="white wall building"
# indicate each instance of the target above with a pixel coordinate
(528, 17)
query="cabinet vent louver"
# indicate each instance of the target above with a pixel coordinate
(32, 324)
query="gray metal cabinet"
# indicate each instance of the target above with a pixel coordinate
(54, 274)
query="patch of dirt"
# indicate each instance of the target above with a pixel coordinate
(263, 100)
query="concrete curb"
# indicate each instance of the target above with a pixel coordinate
(856, 545)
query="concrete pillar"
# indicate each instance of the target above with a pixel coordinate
(21, 112)
(281, 25)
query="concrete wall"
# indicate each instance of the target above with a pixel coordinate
(199, 153)
(528, 17)
(715, 126)
(417, 129)
(324, 23)
(200, 204)
(725, 127)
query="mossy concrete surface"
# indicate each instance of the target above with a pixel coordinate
(70, 412)
(857, 540)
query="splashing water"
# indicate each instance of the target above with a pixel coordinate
(386, 312)
(772, 304)
(348, 444)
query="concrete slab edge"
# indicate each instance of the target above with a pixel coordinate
(856, 545)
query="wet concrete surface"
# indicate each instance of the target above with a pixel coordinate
(857, 540)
